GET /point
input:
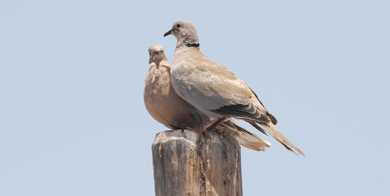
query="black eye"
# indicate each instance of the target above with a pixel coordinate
(178, 26)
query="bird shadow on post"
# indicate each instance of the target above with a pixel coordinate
(185, 164)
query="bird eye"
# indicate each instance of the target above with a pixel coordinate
(178, 26)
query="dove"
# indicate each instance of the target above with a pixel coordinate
(215, 90)
(169, 109)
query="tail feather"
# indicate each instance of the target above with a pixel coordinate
(245, 137)
(257, 126)
(274, 132)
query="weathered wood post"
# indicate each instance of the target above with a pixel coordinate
(185, 165)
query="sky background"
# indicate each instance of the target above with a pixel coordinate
(73, 121)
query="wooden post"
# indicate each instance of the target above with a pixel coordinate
(185, 165)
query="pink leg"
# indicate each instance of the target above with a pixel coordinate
(207, 127)
(214, 125)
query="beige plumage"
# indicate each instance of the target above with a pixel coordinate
(215, 90)
(166, 107)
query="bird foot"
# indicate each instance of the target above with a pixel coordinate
(209, 126)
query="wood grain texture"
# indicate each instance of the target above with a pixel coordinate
(186, 165)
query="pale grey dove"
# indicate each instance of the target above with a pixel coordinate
(166, 107)
(215, 90)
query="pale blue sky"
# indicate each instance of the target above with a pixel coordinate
(73, 121)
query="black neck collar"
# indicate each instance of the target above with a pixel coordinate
(192, 45)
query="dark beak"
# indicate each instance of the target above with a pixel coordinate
(168, 33)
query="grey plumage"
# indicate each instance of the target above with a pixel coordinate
(215, 90)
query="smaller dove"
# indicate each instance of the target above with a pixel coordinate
(169, 109)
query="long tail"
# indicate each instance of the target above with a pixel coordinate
(244, 137)
(274, 132)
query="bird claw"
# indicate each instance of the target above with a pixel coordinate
(212, 125)
(200, 131)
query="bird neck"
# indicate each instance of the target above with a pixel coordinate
(188, 40)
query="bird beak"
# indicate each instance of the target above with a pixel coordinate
(168, 33)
